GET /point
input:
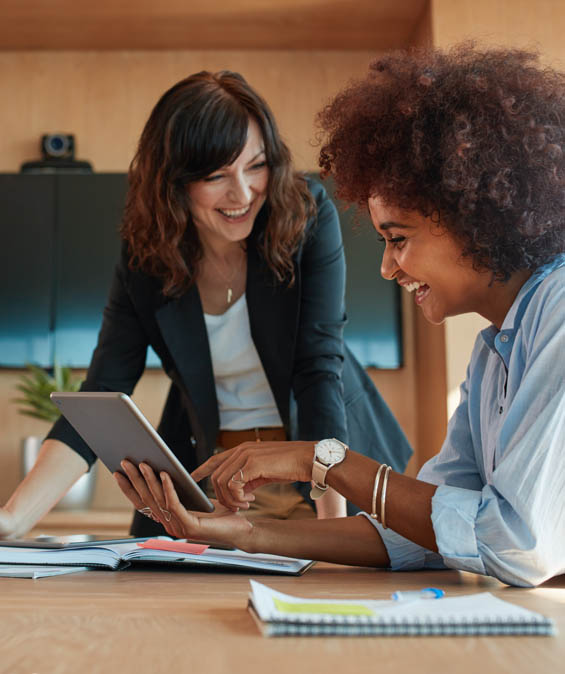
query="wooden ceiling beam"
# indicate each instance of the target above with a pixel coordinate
(216, 24)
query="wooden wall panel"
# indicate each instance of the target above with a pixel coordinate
(104, 98)
(422, 35)
(517, 23)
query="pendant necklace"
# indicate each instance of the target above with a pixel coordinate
(228, 281)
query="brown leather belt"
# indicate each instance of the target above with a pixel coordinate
(229, 439)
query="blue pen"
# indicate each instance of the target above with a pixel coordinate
(425, 593)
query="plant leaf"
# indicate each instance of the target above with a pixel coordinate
(36, 385)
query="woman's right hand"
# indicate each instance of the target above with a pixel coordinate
(237, 472)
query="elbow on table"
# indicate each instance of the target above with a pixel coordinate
(522, 568)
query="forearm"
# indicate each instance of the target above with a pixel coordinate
(347, 540)
(408, 501)
(57, 468)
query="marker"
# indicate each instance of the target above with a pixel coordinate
(425, 593)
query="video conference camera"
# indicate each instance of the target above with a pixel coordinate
(58, 155)
(58, 146)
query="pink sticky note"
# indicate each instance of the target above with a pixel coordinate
(174, 546)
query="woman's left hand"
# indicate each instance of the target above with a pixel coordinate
(159, 500)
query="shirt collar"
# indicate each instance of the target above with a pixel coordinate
(503, 340)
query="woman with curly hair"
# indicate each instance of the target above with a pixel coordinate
(233, 270)
(460, 157)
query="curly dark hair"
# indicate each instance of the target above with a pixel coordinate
(197, 127)
(474, 137)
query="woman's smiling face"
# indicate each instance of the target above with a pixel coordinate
(224, 205)
(426, 259)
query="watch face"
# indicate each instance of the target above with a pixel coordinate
(330, 451)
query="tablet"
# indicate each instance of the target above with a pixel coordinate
(115, 429)
(64, 542)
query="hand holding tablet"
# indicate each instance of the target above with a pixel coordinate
(115, 429)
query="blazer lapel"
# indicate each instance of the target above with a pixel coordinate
(182, 325)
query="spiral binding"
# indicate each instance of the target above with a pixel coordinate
(370, 626)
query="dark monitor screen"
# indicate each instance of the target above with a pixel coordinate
(373, 304)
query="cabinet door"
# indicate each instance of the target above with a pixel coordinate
(89, 211)
(27, 208)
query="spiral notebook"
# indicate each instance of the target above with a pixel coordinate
(278, 614)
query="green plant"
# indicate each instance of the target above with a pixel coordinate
(37, 385)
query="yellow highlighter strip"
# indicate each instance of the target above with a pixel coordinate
(330, 609)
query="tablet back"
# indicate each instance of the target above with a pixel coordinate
(115, 429)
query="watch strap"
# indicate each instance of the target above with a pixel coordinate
(317, 491)
(319, 486)
(319, 471)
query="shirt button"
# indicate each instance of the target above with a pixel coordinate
(193, 440)
(500, 409)
(504, 338)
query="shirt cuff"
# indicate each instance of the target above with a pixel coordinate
(404, 555)
(454, 513)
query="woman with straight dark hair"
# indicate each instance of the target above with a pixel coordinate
(460, 158)
(232, 269)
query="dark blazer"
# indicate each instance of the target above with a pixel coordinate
(319, 388)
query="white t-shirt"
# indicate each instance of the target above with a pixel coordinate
(245, 399)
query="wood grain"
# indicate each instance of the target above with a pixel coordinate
(216, 24)
(157, 621)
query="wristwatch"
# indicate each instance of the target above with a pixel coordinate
(327, 453)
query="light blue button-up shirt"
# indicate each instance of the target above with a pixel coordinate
(500, 505)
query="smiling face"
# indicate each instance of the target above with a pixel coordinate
(224, 205)
(426, 259)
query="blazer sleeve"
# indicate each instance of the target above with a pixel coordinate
(318, 363)
(118, 360)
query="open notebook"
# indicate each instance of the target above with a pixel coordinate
(278, 614)
(121, 555)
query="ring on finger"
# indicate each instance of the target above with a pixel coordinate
(166, 514)
(146, 511)
(242, 481)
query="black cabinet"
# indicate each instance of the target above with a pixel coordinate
(27, 216)
(89, 211)
(60, 243)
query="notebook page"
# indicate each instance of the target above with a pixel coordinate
(482, 607)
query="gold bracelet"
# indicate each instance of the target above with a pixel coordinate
(383, 497)
(375, 489)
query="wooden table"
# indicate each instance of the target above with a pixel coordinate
(110, 523)
(178, 621)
